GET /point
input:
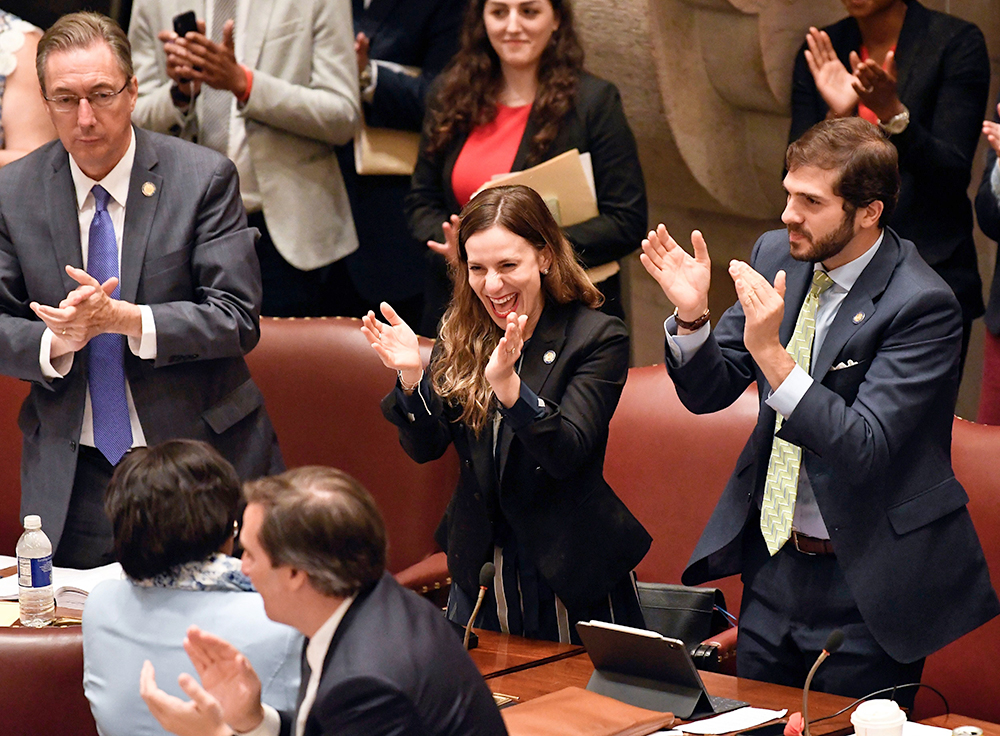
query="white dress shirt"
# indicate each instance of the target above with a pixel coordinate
(116, 183)
(316, 651)
(787, 396)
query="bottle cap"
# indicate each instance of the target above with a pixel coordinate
(32, 522)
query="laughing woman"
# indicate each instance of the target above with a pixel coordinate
(524, 378)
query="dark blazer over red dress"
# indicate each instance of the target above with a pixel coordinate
(876, 439)
(550, 485)
(944, 79)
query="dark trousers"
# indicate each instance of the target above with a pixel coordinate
(791, 604)
(87, 539)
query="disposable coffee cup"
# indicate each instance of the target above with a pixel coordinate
(878, 718)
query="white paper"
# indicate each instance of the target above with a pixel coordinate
(62, 577)
(912, 728)
(736, 720)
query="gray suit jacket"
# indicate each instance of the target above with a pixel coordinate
(188, 254)
(876, 439)
(304, 102)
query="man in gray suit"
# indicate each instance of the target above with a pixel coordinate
(129, 293)
(273, 84)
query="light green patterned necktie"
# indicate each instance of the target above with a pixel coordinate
(781, 486)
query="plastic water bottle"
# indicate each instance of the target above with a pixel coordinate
(34, 575)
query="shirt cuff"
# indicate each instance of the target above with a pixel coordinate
(995, 179)
(417, 402)
(368, 93)
(144, 347)
(270, 726)
(787, 396)
(527, 409)
(683, 347)
(53, 368)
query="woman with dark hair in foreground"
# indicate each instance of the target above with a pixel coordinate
(524, 379)
(174, 508)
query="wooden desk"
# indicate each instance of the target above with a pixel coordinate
(499, 655)
(558, 666)
(954, 721)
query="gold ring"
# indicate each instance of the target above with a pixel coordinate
(64, 332)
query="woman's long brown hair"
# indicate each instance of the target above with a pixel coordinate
(473, 81)
(468, 333)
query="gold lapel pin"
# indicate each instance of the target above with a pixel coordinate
(549, 357)
(148, 189)
(859, 317)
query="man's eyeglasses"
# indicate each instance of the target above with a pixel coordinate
(97, 100)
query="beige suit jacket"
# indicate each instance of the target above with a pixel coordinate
(304, 101)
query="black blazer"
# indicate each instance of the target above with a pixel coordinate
(396, 666)
(389, 264)
(988, 213)
(596, 124)
(944, 78)
(550, 486)
(875, 428)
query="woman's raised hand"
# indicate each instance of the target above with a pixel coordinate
(449, 248)
(395, 343)
(500, 371)
(834, 81)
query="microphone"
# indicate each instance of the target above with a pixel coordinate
(833, 643)
(486, 573)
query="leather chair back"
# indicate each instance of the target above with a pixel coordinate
(12, 394)
(41, 683)
(967, 671)
(670, 466)
(322, 384)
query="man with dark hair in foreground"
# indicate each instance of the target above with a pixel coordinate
(378, 660)
(843, 510)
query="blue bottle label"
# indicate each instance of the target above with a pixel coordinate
(34, 572)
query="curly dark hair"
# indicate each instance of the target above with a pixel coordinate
(472, 82)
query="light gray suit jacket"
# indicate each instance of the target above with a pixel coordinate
(188, 254)
(304, 102)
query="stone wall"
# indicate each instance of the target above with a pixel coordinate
(706, 86)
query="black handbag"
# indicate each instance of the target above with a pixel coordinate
(681, 612)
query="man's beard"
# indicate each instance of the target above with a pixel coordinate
(830, 244)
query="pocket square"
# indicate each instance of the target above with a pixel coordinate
(840, 366)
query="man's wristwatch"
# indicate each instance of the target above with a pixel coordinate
(897, 123)
(180, 97)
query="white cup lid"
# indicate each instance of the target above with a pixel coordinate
(878, 712)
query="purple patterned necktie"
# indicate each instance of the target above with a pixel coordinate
(105, 359)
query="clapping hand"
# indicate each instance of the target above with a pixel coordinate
(449, 248)
(834, 81)
(763, 309)
(500, 370)
(684, 279)
(200, 716)
(876, 87)
(395, 343)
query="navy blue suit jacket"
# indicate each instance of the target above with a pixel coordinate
(876, 439)
(396, 666)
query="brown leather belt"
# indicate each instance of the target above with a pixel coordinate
(811, 545)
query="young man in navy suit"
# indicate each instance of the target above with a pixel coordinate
(843, 510)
